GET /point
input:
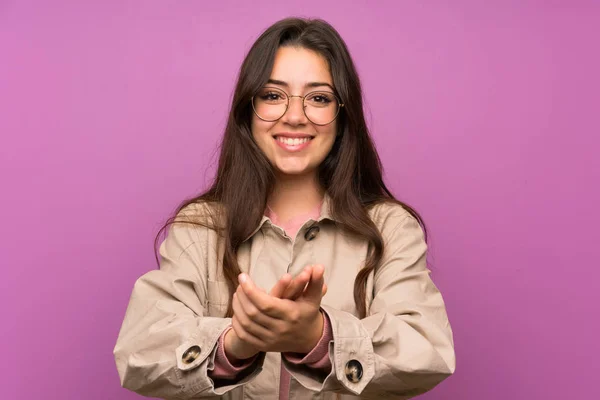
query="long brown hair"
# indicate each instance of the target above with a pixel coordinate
(351, 173)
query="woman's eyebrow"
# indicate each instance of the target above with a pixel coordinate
(309, 84)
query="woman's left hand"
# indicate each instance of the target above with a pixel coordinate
(272, 324)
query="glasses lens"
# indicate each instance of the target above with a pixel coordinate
(321, 107)
(270, 103)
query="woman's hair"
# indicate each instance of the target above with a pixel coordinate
(351, 173)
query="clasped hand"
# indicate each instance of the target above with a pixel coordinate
(287, 319)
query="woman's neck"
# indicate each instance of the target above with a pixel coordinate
(295, 195)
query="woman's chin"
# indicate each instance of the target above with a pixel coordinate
(293, 169)
(292, 172)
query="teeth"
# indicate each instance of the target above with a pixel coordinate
(292, 142)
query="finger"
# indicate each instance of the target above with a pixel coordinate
(250, 326)
(252, 312)
(272, 306)
(281, 285)
(296, 287)
(324, 290)
(246, 276)
(244, 335)
(314, 290)
(248, 311)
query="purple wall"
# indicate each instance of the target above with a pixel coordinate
(486, 117)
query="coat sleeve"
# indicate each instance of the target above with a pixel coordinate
(167, 344)
(404, 347)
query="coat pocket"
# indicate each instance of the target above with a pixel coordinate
(218, 298)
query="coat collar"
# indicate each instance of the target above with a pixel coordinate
(324, 214)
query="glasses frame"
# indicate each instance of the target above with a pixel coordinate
(287, 105)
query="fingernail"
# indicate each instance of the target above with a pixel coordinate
(242, 278)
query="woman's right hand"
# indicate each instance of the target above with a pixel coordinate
(286, 288)
(279, 325)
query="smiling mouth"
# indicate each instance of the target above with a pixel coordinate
(293, 145)
(293, 141)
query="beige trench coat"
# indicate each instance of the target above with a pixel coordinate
(404, 347)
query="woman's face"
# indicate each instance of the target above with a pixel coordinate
(296, 71)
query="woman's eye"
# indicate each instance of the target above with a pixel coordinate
(320, 98)
(270, 96)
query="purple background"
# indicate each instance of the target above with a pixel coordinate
(485, 115)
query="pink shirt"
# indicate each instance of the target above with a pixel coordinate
(317, 358)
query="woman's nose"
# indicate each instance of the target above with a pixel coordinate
(295, 112)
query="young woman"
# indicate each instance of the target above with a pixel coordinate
(297, 274)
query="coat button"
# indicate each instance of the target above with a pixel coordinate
(191, 354)
(311, 232)
(353, 371)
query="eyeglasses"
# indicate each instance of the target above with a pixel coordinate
(320, 107)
